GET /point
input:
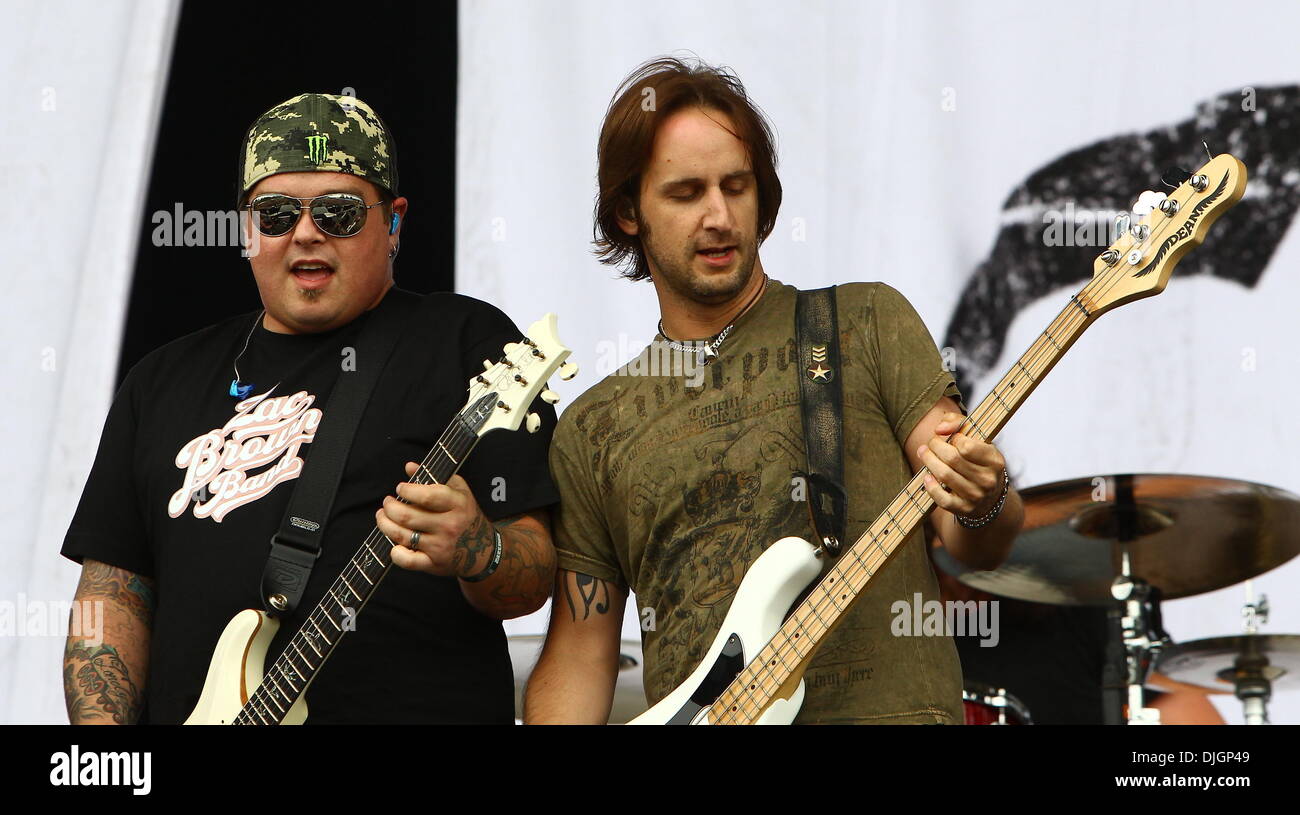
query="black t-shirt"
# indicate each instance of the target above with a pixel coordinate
(188, 486)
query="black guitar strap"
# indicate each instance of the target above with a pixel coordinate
(296, 545)
(822, 404)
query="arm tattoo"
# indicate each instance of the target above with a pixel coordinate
(526, 572)
(103, 582)
(589, 591)
(479, 536)
(97, 680)
(100, 686)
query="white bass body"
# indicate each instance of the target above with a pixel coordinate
(768, 590)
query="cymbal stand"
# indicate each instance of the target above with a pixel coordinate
(1249, 676)
(1143, 635)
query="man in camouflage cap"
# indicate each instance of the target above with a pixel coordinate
(173, 525)
(311, 145)
(319, 132)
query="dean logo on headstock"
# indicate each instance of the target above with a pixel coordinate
(753, 672)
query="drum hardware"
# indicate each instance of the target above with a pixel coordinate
(1190, 535)
(1143, 639)
(988, 704)
(1129, 541)
(1252, 665)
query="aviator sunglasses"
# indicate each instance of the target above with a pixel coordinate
(338, 214)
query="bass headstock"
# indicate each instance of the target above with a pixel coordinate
(1164, 227)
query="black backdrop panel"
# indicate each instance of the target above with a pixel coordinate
(232, 62)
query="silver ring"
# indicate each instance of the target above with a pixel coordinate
(415, 541)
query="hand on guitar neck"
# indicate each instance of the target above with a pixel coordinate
(972, 471)
(457, 540)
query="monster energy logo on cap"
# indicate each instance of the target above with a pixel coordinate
(316, 148)
(319, 132)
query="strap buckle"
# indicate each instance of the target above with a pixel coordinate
(285, 578)
(826, 504)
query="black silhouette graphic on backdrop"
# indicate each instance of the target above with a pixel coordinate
(1260, 126)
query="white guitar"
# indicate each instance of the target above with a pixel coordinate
(235, 691)
(753, 672)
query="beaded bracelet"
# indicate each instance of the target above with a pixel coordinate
(985, 519)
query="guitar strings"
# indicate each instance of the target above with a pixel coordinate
(813, 604)
(284, 664)
(864, 557)
(909, 492)
(456, 434)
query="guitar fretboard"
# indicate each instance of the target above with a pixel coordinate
(335, 615)
(775, 670)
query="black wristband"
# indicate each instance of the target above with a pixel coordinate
(495, 562)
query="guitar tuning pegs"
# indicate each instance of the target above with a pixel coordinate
(487, 364)
(533, 422)
(1148, 201)
(1174, 176)
(568, 370)
(549, 396)
(1122, 222)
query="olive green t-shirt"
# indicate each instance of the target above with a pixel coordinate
(673, 485)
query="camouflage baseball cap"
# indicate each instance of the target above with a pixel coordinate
(319, 132)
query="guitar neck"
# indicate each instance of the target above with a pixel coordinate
(775, 671)
(335, 615)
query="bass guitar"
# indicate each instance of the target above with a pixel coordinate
(753, 671)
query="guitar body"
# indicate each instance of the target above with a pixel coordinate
(769, 589)
(240, 688)
(236, 670)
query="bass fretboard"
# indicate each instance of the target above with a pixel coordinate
(775, 671)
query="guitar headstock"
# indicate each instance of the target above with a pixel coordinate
(1140, 262)
(499, 397)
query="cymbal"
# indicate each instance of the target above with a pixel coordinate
(1213, 663)
(629, 694)
(1185, 535)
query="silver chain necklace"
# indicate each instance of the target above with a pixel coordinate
(709, 350)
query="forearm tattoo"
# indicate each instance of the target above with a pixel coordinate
(97, 676)
(527, 569)
(586, 591)
(99, 581)
(472, 543)
(100, 685)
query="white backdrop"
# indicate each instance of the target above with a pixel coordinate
(881, 182)
(884, 183)
(83, 87)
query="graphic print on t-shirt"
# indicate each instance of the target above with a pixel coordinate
(264, 431)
